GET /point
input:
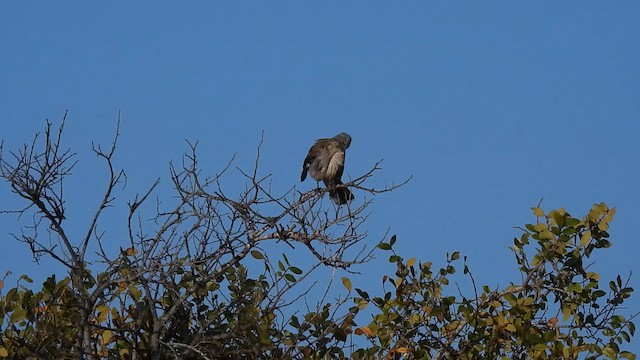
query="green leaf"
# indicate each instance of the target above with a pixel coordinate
(455, 255)
(545, 234)
(566, 312)
(364, 294)
(347, 283)
(625, 336)
(384, 246)
(574, 287)
(571, 222)
(135, 293)
(540, 347)
(586, 238)
(295, 270)
(18, 314)
(558, 218)
(537, 211)
(528, 301)
(613, 286)
(393, 240)
(290, 277)
(627, 355)
(257, 254)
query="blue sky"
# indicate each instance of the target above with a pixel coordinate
(491, 106)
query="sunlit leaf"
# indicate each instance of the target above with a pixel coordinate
(501, 320)
(593, 275)
(3, 352)
(103, 312)
(586, 238)
(603, 226)
(609, 352)
(106, 337)
(411, 261)
(347, 283)
(132, 251)
(365, 330)
(537, 211)
(539, 227)
(362, 304)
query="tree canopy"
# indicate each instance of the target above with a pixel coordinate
(184, 285)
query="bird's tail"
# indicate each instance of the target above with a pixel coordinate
(341, 195)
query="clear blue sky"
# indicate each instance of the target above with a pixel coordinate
(491, 106)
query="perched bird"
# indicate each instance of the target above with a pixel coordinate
(325, 162)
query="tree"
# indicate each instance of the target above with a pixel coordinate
(185, 285)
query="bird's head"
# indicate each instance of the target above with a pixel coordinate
(344, 139)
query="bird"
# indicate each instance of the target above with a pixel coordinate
(325, 162)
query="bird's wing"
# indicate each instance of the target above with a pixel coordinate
(316, 160)
(335, 168)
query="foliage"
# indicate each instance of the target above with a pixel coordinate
(185, 286)
(558, 311)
